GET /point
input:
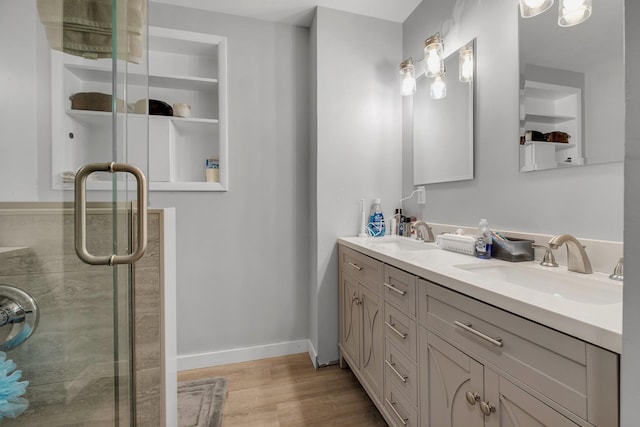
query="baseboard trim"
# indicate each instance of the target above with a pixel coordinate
(246, 354)
(313, 354)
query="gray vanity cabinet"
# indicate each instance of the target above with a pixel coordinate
(515, 407)
(401, 348)
(361, 331)
(432, 357)
(350, 320)
(447, 376)
(533, 375)
(456, 389)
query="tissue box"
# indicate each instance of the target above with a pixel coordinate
(514, 250)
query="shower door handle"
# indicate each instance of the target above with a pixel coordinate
(80, 211)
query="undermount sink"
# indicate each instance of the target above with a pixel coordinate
(398, 244)
(582, 288)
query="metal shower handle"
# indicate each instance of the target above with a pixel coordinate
(19, 311)
(80, 216)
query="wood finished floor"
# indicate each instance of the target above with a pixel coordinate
(286, 391)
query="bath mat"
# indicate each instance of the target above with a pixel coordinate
(200, 402)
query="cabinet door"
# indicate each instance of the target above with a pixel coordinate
(446, 375)
(371, 352)
(350, 320)
(515, 407)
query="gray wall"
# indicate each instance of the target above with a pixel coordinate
(242, 255)
(585, 201)
(630, 392)
(357, 146)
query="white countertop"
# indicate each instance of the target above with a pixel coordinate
(599, 323)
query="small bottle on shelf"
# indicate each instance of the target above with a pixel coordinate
(212, 169)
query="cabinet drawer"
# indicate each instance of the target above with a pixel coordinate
(400, 411)
(401, 372)
(548, 361)
(400, 330)
(364, 269)
(400, 290)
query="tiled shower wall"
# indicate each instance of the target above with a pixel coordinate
(69, 360)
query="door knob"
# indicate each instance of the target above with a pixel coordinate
(472, 397)
(487, 408)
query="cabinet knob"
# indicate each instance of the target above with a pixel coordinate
(487, 408)
(356, 300)
(472, 397)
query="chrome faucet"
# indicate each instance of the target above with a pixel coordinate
(618, 271)
(577, 258)
(423, 232)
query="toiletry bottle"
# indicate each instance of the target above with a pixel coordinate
(483, 243)
(398, 217)
(376, 220)
(212, 169)
(406, 227)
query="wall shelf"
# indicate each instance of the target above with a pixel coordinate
(547, 107)
(182, 67)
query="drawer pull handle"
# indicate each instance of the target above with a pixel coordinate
(393, 288)
(393, 328)
(391, 404)
(403, 378)
(357, 267)
(467, 327)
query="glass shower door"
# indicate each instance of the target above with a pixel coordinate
(70, 209)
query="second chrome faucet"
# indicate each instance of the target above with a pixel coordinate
(577, 258)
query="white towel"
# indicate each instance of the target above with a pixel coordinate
(83, 27)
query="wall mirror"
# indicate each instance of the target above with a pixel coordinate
(443, 128)
(572, 89)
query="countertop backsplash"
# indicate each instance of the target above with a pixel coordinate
(603, 254)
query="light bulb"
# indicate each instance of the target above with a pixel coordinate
(433, 62)
(438, 88)
(573, 4)
(408, 84)
(573, 12)
(408, 77)
(433, 55)
(466, 65)
(534, 4)
(530, 8)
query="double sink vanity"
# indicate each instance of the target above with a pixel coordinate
(438, 338)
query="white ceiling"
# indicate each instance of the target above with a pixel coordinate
(300, 12)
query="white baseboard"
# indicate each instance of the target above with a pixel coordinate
(224, 357)
(313, 354)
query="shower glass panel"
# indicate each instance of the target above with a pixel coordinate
(68, 71)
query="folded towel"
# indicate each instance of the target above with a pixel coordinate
(84, 27)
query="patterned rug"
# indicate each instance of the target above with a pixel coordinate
(201, 402)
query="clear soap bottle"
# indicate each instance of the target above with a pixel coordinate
(483, 242)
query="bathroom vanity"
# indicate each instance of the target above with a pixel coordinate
(438, 339)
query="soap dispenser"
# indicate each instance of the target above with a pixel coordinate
(483, 243)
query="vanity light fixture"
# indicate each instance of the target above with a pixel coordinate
(434, 56)
(530, 8)
(465, 62)
(438, 88)
(408, 71)
(573, 12)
